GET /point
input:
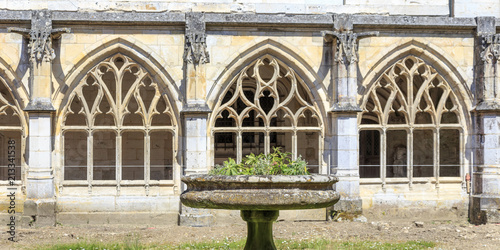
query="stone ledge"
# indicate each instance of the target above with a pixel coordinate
(488, 106)
(345, 108)
(414, 21)
(250, 19)
(196, 109)
(114, 17)
(176, 18)
(40, 105)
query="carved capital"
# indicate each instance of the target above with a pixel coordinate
(40, 36)
(195, 49)
(346, 49)
(490, 48)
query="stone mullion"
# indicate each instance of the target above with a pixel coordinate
(461, 157)
(90, 158)
(176, 176)
(321, 148)
(118, 165)
(147, 160)
(410, 156)
(435, 145)
(239, 146)
(294, 144)
(383, 154)
(437, 157)
(267, 142)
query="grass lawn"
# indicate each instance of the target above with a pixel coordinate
(239, 244)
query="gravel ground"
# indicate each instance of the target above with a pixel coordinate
(447, 234)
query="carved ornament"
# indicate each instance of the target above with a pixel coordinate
(195, 49)
(40, 36)
(346, 44)
(490, 47)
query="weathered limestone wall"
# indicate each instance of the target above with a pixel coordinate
(232, 46)
(394, 7)
(466, 8)
(458, 8)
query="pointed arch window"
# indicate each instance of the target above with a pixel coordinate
(411, 126)
(118, 127)
(12, 139)
(267, 106)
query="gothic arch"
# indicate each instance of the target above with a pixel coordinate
(415, 120)
(119, 100)
(430, 54)
(266, 104)
(128, 46)
(12, 81)
(13, 124)
(281, 50)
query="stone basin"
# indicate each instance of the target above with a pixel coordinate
(259, 192)
(259, 197)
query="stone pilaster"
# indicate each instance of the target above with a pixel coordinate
(344, 112)
(40, 188)
(195, 113)
(486, 171)
(195, 58)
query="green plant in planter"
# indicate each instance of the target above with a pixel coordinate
(275, 163)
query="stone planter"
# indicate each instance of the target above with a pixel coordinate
(259, 198)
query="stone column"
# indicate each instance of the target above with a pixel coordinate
(486, 170)
(344, 112)
(195, 112)
(40, 204)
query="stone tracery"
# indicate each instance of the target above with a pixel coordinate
(267, 106)
(118, 101)
(410, 107)
(10, 129)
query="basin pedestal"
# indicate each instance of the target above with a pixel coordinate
(260, 228)
(259, 198)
